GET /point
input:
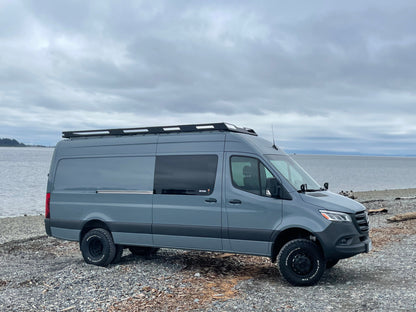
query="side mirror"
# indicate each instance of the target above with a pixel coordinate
(303, 188)
(273, 188)
(326, 185)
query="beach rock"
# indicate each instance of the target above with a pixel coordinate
(349, 194)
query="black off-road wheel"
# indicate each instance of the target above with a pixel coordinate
(97, 247)
(301, 262)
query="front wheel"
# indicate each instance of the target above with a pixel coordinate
(301, 262)
(97, 247)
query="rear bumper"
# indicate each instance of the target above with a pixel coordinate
(48, 227)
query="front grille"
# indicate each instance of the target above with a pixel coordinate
(361, 219)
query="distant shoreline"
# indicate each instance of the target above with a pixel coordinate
(43, 146)
(23, 146)
(7, 142)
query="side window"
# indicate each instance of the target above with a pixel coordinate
(185, 174)
(265, 180)
(105, 173)
(245, 174)
(250, 175)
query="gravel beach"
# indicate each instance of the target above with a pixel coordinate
(39, 273)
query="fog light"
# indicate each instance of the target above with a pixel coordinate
(345, 241)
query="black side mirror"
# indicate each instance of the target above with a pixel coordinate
(326, 185)
(273, 188)
(303, 188)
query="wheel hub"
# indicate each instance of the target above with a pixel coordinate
(301, 264)
(96, 248)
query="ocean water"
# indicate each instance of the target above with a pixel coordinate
(360, 173)
(23, 177)
(24, 170)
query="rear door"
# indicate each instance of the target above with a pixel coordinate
(252, 214)
(187, 201)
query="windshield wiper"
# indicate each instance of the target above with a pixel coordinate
(311, 190)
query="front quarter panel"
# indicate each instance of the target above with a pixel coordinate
(303, 216)
(306, 216)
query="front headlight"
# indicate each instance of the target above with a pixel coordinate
(335, 216)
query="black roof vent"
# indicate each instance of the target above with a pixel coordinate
(163, 129)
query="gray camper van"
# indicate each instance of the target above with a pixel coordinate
(214, 187)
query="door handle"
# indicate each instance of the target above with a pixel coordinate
(235, 201)
(211, 200)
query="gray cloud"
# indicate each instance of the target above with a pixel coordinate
(334, 77)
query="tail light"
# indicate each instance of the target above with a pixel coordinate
(47, 206)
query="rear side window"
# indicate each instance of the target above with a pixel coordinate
(105, 173)
(185, 174)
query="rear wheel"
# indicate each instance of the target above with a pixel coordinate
(97, 247)
(301, 262)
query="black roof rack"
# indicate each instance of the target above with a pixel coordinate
(162, 129)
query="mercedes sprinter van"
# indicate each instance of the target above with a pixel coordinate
(213, 187)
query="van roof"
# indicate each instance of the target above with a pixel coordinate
(159, 129)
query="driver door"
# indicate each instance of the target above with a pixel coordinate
(252, 214)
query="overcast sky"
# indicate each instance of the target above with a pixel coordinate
(334, 76)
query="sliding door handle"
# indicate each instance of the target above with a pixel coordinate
(211, 200)
(235, 201)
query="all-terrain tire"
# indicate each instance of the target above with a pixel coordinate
(119, 253)
(301, 262)
(97, 247)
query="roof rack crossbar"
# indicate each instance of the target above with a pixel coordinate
(222, 126)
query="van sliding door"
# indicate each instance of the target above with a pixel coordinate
(187, 201)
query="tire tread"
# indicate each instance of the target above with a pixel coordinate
(290, 277)
(109, 240)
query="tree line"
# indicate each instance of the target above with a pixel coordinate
(10, 142)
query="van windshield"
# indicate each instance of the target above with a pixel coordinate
(293, 172)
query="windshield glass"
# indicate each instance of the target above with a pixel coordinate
(293, 172)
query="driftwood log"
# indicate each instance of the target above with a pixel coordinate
(408, 197)
(380, 210)
(402, 217)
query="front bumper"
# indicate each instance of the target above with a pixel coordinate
(342, 240)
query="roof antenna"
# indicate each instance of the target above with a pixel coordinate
(274, 144)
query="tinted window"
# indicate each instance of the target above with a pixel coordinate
(250, 175)
(105, 173)
(185, 174)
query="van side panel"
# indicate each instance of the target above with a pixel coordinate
(110, 184)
